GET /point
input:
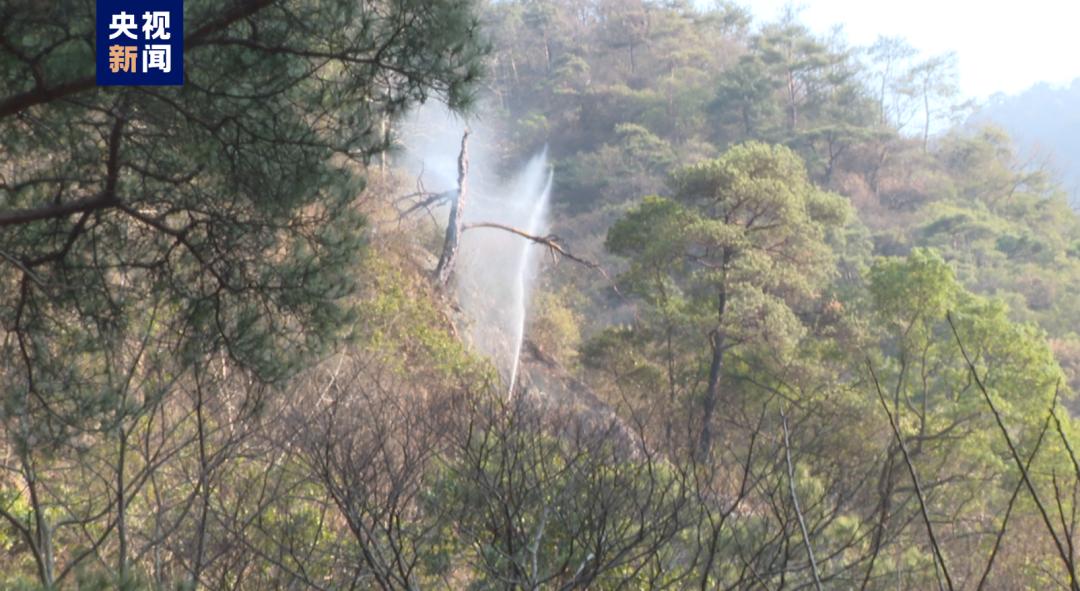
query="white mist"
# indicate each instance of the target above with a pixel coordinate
(496, 271)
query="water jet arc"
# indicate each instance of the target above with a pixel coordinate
(523, 277)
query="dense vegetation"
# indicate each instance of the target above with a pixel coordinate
(833, 347)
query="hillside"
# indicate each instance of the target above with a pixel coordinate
(526, 295)
(622, 108)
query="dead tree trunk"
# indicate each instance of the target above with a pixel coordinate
(457, 210)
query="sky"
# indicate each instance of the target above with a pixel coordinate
(1001, 45)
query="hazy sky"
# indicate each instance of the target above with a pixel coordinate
(1001, 45)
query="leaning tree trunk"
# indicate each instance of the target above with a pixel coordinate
(455, 223)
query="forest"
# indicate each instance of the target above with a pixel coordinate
(757, 308)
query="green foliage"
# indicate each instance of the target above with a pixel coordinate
(633, 165)
(150, 237)
(555, 327)
(532, 506)
(398, 321)
(907, 291)
(218, 216)
(222, 369)
(749, 226)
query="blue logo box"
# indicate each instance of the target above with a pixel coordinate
(140, 42)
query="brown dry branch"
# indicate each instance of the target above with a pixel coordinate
(550, 241)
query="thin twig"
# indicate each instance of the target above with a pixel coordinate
(430, 200)
(914, 478)
(1009, 508)
(1061, 431)
(795, 501)
(1016, 458)
(26, 270)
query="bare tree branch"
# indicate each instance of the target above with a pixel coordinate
(795, 501)
(550, 241)
(1009, 508)
(107, 198)
(430, 200)
(1065, 557)
(914, 478)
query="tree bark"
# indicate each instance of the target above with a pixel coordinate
(716, 366)
(712, 393)
(455, 223)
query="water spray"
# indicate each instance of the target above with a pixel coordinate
(524, 271)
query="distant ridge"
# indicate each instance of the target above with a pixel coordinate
(1045, 122)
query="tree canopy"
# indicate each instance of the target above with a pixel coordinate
(216, 217)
